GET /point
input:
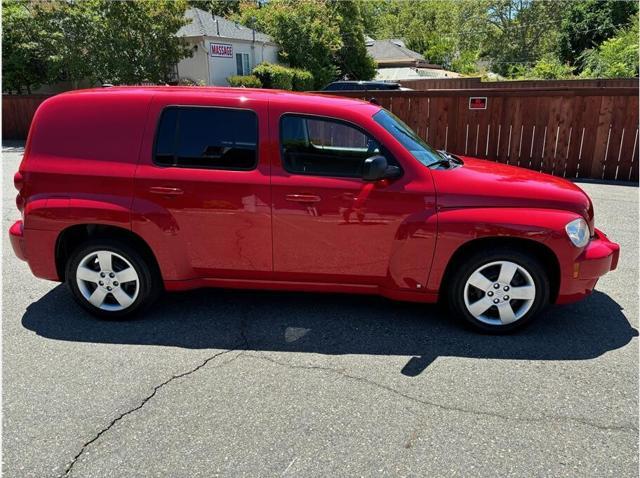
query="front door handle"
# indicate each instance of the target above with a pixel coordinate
(303, 198)
(165, 191)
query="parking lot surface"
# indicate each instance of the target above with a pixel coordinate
(242, 383)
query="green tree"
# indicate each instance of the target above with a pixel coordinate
(587, 23)
(306, 32)
(520, 32)
(97, 40)
(222, 8)
(352, 58)
(616, 57)
(25, 63)
(137, 42)
(71, 29)
(446, 32)
(549, 67)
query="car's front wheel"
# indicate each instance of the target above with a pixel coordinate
(499, 291)
(110, 279)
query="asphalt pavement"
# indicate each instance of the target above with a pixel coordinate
(242, 383)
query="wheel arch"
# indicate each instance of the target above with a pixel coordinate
(71, 237)
(542, 252)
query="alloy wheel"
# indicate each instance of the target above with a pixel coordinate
(499, 293)
(107, 280)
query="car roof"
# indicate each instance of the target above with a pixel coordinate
(272, 96)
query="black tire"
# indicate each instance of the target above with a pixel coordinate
(149, 281)
(457, 279)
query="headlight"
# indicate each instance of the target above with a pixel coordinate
(578, 232)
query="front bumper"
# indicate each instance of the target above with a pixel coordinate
(599, 257)
(16, 234)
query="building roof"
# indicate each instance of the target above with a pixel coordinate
(205, 24)
(411, 73)
(391, 51)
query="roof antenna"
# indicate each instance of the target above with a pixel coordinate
(373, 101)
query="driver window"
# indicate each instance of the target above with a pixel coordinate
(324, 147)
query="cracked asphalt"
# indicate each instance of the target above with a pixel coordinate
(241, 383)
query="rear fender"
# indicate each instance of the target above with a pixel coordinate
(57, 213)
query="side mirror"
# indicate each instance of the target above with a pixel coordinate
(376, 168)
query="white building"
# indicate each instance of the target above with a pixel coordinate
(221, 48)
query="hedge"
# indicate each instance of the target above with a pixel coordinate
(283, 78)
(248, 81)
(302, 80)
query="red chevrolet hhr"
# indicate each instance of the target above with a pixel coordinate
(126, 192)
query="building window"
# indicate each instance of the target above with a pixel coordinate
(242, 63)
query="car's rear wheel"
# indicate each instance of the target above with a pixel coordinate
(499, 291)
(110, 279)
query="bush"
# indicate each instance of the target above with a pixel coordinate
(274, 76)
(302, 80)
(247, 81)
(190, 82)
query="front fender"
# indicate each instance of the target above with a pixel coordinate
(457, 227)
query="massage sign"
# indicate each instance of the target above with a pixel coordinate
(222, 50)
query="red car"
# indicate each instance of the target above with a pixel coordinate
(126, 192)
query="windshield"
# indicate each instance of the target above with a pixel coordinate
(410, 140)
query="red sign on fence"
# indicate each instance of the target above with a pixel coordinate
(477, 102)
(222, 49)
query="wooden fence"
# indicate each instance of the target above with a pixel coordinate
(475, 83)
(17, 113)
(575, 133)
(570, 132)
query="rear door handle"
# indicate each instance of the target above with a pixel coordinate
(303, 198)
(165, 191)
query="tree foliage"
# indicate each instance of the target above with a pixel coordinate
(94, 40)
(25, 63)
(616, 57)
(520, 32)
(222, 8)
(446, 32)
(134, 41)
(137, 40)
(325, 37)
(588, 23)
(352, 58)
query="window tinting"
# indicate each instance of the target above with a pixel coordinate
(324, 147)
(215, 138)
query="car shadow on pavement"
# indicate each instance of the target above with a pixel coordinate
(335, 324)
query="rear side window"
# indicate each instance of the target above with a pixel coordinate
(211, 138)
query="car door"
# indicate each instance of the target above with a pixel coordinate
(331, 226)
(202, 189)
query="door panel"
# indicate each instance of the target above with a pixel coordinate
(214, 222)
(346, 230)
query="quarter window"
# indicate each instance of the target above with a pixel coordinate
(325, 147)
(201, 137)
